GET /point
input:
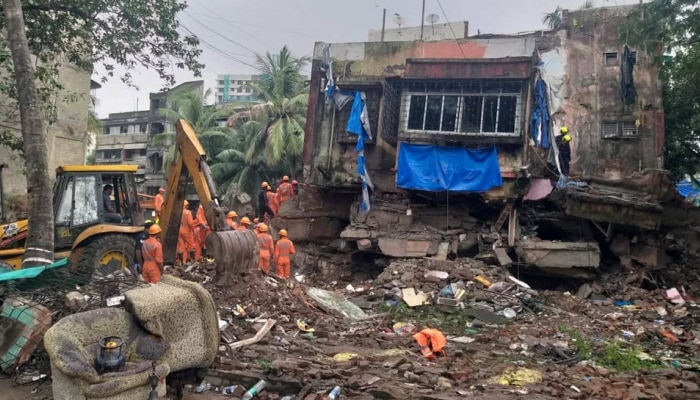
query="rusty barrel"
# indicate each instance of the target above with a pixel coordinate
(234, 252)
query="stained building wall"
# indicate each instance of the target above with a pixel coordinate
(611, 141)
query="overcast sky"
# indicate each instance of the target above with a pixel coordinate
(266, 25)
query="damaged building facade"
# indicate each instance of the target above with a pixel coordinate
(450, 147)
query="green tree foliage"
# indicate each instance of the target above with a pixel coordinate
(190, 105)
(120, 35)
(673, 27)
(268, 137)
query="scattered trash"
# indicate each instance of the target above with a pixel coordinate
(437, 275)
(462, 339)
(235, 390)
(431, 342)
(519, 376)
(303, 327)
(509, 313)
(575, 389)
(482, 280)
(674, 296)
(115, 301)
(622, 303)
(334, 394)
(255, 390)
(342, 357)
(404, 329)
(203, 387)
(334, 303)
(413, 299)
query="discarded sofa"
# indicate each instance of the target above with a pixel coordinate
(172, 325)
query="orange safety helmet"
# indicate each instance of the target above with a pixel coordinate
(285, 178)
(262, 227)
(231, 214)
(161, 190)
(186, 203)
(264, 184)
(283, 232)
(245, 221)
(154, 229)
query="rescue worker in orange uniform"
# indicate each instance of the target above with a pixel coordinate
(283, 249)
(152, 253)
(285, 191)
(158, 202)
(267, 248)
(201, 232)
(245, 224)
(272, 202)
(231, 219)
(295, 186)
(186, 242)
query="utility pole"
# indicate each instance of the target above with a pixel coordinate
(383, 23)
(422, 21)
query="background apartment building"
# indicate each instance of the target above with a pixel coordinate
(128, 138)
(233, 88)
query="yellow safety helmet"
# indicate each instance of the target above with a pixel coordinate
(186, 203)
(148, 221)
(262, 227)
(154, 229)
(231, 214)
(566, 138)
(283, 232)
(245, 221)
(564, 130)
(285, 178)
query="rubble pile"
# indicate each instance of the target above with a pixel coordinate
(610, 339)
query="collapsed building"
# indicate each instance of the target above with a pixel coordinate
(448, 148)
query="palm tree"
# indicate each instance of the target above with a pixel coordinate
(553, 19)
(191, 106)
(269, 135)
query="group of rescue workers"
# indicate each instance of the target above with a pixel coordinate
(191, 244)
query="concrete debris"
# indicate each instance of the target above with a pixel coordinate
(334, 303)
(547, 254)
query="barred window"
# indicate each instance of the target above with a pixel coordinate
(463, 107)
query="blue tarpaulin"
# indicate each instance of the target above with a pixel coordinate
(435, 168)
(358, 124)
(539, 120)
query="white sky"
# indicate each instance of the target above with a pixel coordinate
(262, 25)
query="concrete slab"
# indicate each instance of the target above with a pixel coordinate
(405, 248)
(549, 254)
(503, 258)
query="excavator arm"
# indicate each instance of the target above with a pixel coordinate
(233, 251)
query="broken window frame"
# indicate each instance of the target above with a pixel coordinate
(484, 89)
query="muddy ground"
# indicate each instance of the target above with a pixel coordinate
(619, 337)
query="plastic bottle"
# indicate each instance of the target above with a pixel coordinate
(203, 387)
(252, 392)
(334, 394)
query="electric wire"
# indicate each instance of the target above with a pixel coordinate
(444, 14)
(216, 50)
(220, 35)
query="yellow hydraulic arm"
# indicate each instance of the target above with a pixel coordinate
(232, 250)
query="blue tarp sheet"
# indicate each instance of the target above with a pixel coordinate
(539, 120)
(456, 169)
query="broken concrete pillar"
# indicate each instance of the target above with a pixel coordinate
(549, 254)
(406, 248)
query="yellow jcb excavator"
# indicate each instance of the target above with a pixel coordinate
(87, 234)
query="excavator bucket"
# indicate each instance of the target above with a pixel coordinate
(234, 252)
